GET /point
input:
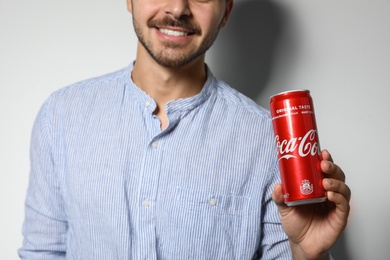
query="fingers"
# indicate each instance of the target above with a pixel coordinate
(333, 187)
(335, 181)
(331, 169)
(337, 191)
(339, 194)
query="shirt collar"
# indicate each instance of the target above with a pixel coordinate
(181, 104)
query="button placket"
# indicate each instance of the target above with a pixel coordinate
(148, 194)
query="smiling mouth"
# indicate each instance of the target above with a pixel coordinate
(175, 28)
(173, 33)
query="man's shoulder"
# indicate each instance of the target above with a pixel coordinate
(101, 82)
(240, 102)
(91, 89)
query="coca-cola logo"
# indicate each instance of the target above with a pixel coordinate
(302, 146)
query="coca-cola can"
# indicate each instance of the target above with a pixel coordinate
(298, 147)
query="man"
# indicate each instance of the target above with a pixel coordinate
(160, 160)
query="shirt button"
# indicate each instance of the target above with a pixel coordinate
(146, 203)
(213, 202)
(147, 103)
(155, 144)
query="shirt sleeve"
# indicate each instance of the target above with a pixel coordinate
(274, 241)
(45, 225)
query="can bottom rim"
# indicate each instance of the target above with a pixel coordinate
(304, 202)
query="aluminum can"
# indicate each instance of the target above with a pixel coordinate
(298, 147)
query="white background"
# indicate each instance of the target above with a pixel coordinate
(339, 49)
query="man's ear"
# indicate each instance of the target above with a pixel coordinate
(129, 6)
(229, 7)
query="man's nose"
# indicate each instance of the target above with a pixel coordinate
(177, 8)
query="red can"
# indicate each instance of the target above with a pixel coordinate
(298, 147)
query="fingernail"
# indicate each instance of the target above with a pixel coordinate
(328, 164)
(328, 181)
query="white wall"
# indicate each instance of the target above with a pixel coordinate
(337, 49)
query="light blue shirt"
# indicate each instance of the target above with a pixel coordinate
(107, 183)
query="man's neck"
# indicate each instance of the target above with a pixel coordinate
(165, 84)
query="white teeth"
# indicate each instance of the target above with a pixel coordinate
(173, 33)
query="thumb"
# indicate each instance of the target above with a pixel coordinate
(277, 197)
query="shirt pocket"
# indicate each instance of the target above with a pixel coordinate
(204, 225)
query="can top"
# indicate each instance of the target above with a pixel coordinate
(290, 91)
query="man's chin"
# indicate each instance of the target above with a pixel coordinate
(173, 63)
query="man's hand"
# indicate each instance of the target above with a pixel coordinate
(314, 229)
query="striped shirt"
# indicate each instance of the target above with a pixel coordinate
(107, 183)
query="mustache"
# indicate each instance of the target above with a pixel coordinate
(179, 23)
